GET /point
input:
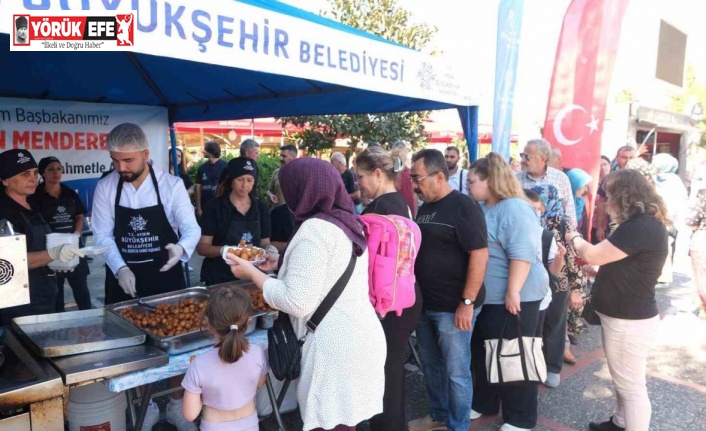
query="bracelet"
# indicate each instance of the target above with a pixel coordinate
(578, 235)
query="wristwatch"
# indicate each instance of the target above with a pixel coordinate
(468, 301)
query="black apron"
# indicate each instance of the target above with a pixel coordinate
(61, 215)
(214, 270)
(42, 280)
(141, 235)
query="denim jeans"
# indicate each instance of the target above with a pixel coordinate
(445, 352)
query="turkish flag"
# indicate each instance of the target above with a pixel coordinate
(583, 66)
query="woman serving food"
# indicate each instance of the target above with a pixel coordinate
(236, 216)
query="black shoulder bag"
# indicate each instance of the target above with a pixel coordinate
(284, 349)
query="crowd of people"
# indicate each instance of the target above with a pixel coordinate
(497, 240)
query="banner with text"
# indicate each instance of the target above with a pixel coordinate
(236, 34)
(508, 47)
(75, 133)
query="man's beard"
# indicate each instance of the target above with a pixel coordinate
(130, 177)
(452, 166)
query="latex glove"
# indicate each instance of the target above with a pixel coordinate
(64, 253)
(126, 280)
(175, 253)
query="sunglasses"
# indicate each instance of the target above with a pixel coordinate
(525, 156)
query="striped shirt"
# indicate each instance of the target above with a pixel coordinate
(558, 179)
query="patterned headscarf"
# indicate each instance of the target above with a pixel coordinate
(313, 188)
(578, 179)
(554, 210)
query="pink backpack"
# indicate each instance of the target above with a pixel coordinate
(393, 244)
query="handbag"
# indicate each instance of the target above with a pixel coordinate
(519, 360)
(284, 348)
(589, 314)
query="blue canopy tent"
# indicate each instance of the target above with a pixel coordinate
(192, 88)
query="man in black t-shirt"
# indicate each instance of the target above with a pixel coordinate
(450, 269)
(208, 175)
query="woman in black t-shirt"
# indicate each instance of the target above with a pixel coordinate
(377, 172)
(623, 295)
(63, 209)
(236, 214)
(188, 183)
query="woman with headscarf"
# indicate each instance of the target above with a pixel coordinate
(236, 214)
(580, 185)
(342, 365)
(18, 172)
(673, 192)
(63, 209)
(569, 289)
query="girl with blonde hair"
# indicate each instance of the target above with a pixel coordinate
(515, 283)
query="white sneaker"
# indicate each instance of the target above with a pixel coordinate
(508, 427)
(175, 416)
(151, 417)
(475, 415)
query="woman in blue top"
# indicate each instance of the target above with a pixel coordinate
(515, 281)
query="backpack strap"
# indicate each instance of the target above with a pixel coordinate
(331, 297)
(460, 182)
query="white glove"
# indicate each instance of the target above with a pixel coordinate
(64, 253)
(175, 253)
(126, 280)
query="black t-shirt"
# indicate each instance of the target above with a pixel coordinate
(625, 289)
(11, 210)
(451, 228)
(59, 213)
(219, 213)
(208, 175)
(282, 224)
(351, 182)
(187, 180)
(389, 204)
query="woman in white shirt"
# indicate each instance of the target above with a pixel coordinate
(342, 366)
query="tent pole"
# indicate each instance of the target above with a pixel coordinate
(173, 155)
(471, 130)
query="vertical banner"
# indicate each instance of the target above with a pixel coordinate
(583, 67)
(508, 47)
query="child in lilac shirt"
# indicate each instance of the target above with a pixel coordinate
(222, 382)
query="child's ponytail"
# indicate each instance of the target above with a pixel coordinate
(233, 345)
(228, 313)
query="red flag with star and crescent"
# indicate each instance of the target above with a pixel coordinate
(583, 67)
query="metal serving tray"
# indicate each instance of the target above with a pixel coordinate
(176, 344)
(73, 332)
(262, 319)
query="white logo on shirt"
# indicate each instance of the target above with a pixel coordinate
(247, 237)
(22, 158)
(61, 209)
(138, 223)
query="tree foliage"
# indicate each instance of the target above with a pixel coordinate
(387, 19)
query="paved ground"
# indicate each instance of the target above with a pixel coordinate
(676, 381)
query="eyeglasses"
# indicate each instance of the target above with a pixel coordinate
(525, 156)
(418, 180)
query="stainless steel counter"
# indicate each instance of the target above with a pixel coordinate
(100, 365)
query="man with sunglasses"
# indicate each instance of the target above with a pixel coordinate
(450, 269)
(537, 172)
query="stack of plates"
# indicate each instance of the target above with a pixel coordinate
(57, 239)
